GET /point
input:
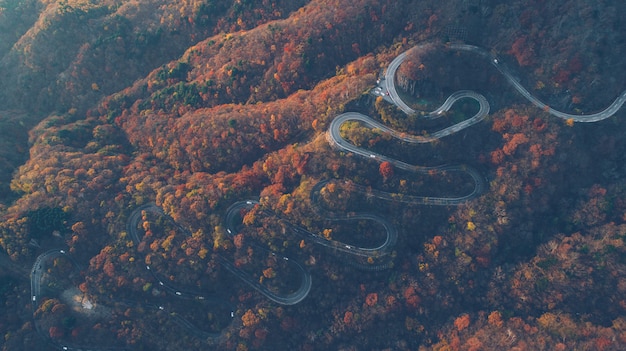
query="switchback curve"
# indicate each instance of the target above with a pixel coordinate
(289, 299)
(389, 85)
(382, 250)
(338, 142)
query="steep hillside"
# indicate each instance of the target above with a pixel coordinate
(171, 173)
(76, 52)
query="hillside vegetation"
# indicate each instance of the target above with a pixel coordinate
(196, 105)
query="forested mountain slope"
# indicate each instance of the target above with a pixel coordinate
(108, 106)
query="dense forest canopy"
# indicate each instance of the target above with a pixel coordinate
(131, 132)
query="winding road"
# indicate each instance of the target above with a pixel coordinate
(594, 117)
(338, 142)
(289, 299)
(37, 273)
(391, 235)
(389, 85)
(131, 229)
(387, 89)
(232, 219)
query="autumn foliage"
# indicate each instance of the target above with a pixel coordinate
(194, 106)
(386, 170)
